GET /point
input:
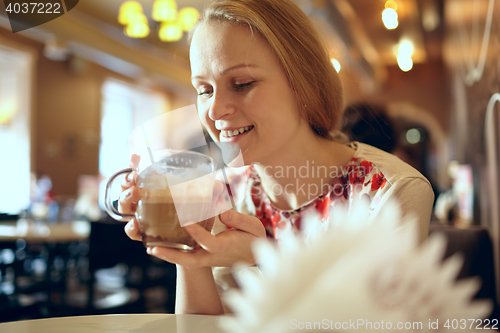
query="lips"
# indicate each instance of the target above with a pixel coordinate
(236, 132)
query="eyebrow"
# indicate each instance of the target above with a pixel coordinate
(229, 69)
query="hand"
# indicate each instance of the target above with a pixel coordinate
(127, 203)
(224, 249)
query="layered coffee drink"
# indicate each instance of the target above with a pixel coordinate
(175, 190)
(159, 221)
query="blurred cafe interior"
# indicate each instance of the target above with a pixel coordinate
(421, 80)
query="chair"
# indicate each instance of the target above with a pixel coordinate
(475, 244)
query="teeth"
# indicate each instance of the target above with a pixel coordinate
(235, 132)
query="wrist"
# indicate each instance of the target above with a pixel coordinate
(192, 269)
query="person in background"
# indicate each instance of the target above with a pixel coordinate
(370, 124)
(265, 82)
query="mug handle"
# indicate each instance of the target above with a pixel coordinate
(112, 211)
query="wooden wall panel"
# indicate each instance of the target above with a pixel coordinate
(67, 116)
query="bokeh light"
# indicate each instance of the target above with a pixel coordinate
(390, 18)
(413, 136)
(170, 32)
(137, 30)
(188, 17)
(391, 4)
(336, 64)
(164, 10)
(129, 11)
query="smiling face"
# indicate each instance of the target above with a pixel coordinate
(244, 95)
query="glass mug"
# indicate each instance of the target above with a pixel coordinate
(174, 191)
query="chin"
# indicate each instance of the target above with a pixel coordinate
(249, 158)
(242, 158)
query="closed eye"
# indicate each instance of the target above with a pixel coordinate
(205, 93)
(237, 87)
(243, 86)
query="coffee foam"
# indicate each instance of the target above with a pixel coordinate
(190, 191)
(193, 199)
(155, 196)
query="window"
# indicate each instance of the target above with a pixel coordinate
(124, 107)
(15, 97)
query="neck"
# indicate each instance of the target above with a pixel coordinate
(298, 175)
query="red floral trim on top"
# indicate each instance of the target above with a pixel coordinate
(361, 179)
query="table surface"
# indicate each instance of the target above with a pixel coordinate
(44, 232)
(133, 323)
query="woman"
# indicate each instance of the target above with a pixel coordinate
(266, 83)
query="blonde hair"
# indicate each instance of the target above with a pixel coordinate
(300, 50)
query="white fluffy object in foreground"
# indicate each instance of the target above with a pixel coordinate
(363, 269)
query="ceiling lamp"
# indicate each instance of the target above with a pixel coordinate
(164, 10)
(173, 23)
(390, 18)
(137, 30)
(405, 52)
(390, 15)
(405, 63)
(170, 32)
(188, 17)
(391, 4)
(406, 47)
(132, 16)
(128, 10)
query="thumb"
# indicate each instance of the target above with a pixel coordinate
(243, 222)
(218, 189)
(217, 192)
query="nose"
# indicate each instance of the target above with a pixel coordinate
(221, 106)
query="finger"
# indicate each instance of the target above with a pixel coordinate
(134, 161)
(195, 259)
(203, 237)
(132, 230)
(218, 189)
(209, 223)
(128, 199)
(243, 222)
(128, 181)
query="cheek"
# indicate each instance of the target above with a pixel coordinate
(277, 103)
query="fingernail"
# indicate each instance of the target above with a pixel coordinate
(149, 250)
(128, 177)
(129, 193)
